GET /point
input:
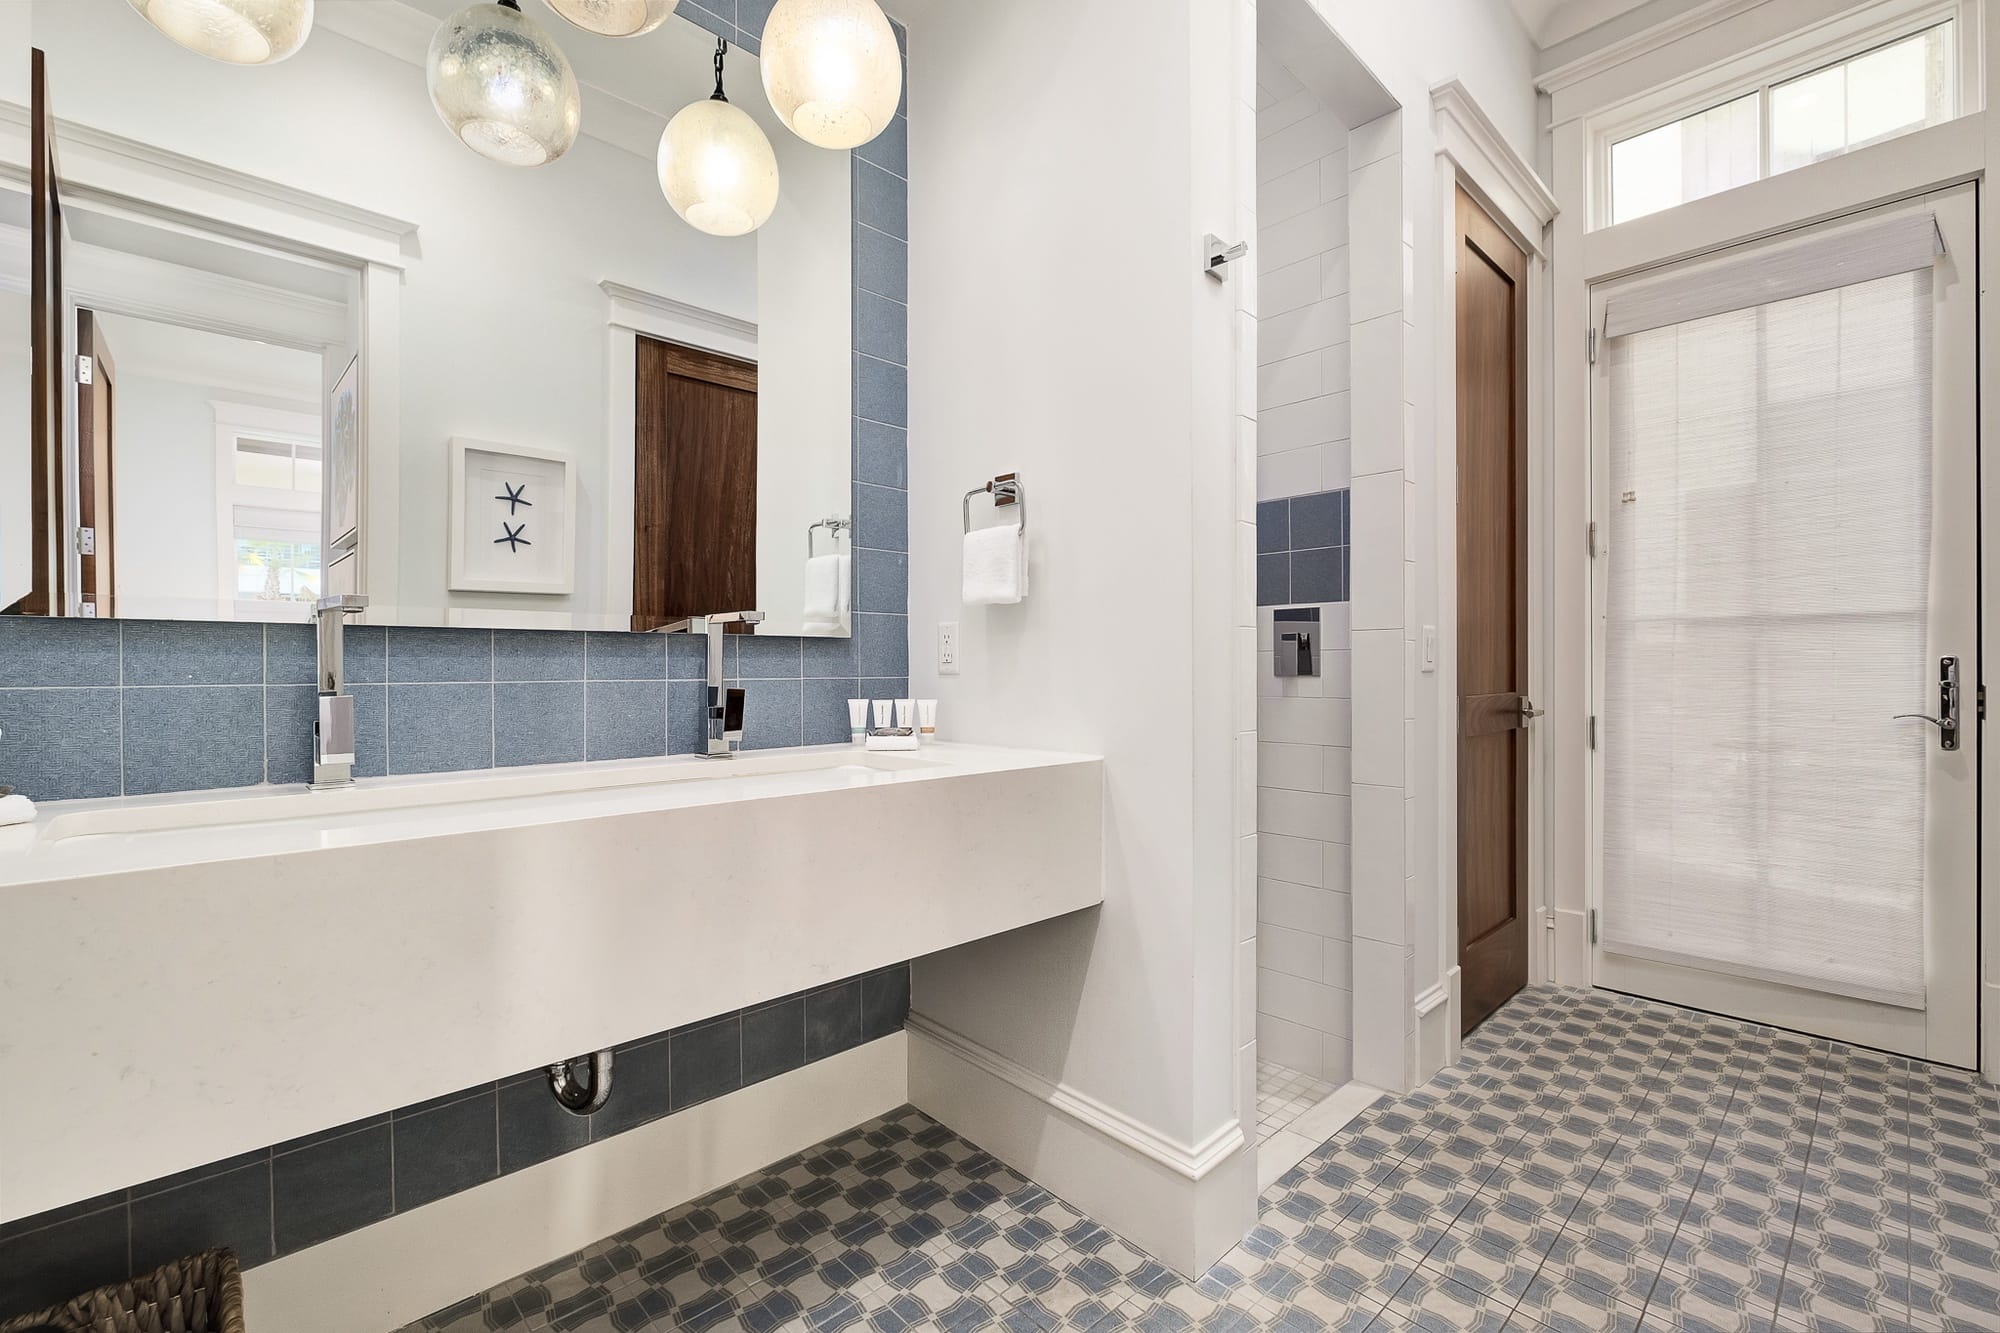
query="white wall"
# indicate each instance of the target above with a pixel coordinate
(163, 496)
(503, 332)
(1061, 328)
(17, 547)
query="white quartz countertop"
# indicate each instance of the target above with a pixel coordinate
(71, 839)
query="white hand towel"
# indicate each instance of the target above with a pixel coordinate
(16, 810)
(826, 593)
(996, 566)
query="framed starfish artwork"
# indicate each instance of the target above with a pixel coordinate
(512, 507)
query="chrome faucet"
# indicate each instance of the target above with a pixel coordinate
(724, 707)
(333, 725)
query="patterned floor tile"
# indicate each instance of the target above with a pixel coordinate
(1595, 1164)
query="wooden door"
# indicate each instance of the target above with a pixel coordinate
(1492, 615)
(694, 522)
(95, 405)
(45, 593)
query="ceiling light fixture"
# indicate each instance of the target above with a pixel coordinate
(832, 70)
(716, 167)
(239, 32)
(502, 86)
(615, 18)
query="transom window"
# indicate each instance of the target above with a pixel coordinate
(1865, 98)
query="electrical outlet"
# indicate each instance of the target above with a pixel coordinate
(947, 647)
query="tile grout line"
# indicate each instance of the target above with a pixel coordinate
(1798, 1205)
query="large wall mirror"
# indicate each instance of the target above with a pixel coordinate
(314, 344)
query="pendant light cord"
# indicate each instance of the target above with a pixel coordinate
(721, 48)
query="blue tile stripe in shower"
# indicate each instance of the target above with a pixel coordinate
(102, 708)
(1304, 548)
(278, 1200)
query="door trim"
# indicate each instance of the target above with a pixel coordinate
(1833, 1016)
(1470, 154)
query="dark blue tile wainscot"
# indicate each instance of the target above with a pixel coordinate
(276, 1201)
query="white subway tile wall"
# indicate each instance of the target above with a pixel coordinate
(1306, 347)
(1304, 827)
(1303, 373)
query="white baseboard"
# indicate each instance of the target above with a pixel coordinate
(1569, 963)
(1989, 1064)
(1437, 1027)
(386, 1275)
(1185, 1204)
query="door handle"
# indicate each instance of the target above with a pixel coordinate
(1529, 712)
(1946, 719)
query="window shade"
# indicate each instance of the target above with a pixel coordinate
(1823, 262)
(1767, 611)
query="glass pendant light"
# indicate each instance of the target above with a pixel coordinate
(716, 167)
(832, 70)
(615, 18)
(241, 32)
(502, 86)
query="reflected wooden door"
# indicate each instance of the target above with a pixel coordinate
(1492, 615)
(694, 521)
(96, 405)
(45, 587)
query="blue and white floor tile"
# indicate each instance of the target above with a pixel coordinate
(1594, 1163)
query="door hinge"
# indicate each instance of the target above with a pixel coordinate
(1982, 703)
(1590, 538)
(1593, 925)
(86, 541)
(1593, 347)
(1590, 731)
(83, 370)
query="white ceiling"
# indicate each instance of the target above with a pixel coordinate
(1551, 21)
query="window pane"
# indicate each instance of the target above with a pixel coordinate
(273, 567)
(1689, 159)
(1891, 90)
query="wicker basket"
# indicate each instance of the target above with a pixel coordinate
(199, 1294)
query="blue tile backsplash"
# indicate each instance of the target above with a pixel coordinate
(103, 708)
(1303, 549)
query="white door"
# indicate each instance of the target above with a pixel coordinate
(1785, 475)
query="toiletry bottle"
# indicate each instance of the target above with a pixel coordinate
(927, 720)
(857, 720)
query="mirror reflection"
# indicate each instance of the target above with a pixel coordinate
(314, 343)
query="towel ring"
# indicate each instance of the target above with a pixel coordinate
(835, 525)
(1005, 490)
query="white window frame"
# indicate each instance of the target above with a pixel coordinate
(1758, 71)
(232, 422)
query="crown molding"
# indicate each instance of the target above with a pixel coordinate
(146, 180)
(1468, 136)
(659, 316)
(1614, 54)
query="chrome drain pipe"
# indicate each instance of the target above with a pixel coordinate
(582, 1096)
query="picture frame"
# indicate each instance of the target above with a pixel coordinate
(343, 464)
(510, 527)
